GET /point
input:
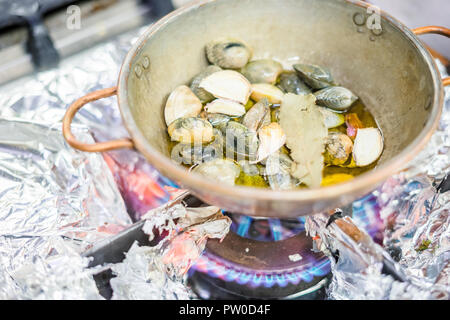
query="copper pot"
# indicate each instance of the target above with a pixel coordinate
(389, 68)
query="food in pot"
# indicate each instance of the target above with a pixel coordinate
(332, 119)
(221, 170)
(191, 130)
(227, 84)
(368, 146)
(305, 129)
(252, 123)
(228, 53)
(338, 148)
(289, 82)
(226, 107)
(271, 139)
(268, 91)
(258, 115)
(201, 93)
(182, 103)
(315, 76)
(336, 98)
(240, 141)
(262, 71)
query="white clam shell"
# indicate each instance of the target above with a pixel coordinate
(368, 146)
(264, 90)
(224, 106)
(227, 84)
(271, 139)
(182, 103)
(220, 170)
(332, 119)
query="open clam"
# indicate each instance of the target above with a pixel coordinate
(368, 146)
(262, 71)
(338, 148)
(271, 139)
(201, 93)
(258, 115)
(197, 153)
(227, 84)
(218, 120)
(291, 83)
(316, 77)
(191, 130)
(332, 119)
(336, 98)
(268, 91)
(240, 141)
(220, 170)
(228, 53)
(182, 102)
(277, 172)
(227, 107)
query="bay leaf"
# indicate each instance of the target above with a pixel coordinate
(305, 129)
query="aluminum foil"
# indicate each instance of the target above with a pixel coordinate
(159, 272)
(413, 261)
(55, 201)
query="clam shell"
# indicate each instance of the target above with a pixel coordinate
(218, 120)
(258, 115)
(291, 83)
(228, 53)
(227, 107)
(240, 141)
(332, 119)
(262, 71)
(191, 154)
(248, 168)
(191, 130)
(220, 170)
(336, 98)
(277, 172)
(368, 146)
(264, 90)
(271, 139)
(227, 84)
(194, 154)
(316, 77)
(182, 102)
(201, 93)
(338, 148)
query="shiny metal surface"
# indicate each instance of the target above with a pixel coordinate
(391, 71)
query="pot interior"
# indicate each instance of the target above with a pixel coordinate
(386, 71)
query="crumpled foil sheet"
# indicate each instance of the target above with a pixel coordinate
(416, 234)
(55, 201)
(51, 194)
(160, 272)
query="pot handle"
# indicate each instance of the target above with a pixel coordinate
(95, 147)
(443, 31)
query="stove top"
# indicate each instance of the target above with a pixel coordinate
(261, 258)
(35, 35)
(258, 259)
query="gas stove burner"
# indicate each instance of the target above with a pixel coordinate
(261, 258)
(261, 229)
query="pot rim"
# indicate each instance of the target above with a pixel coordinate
(366, 181)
